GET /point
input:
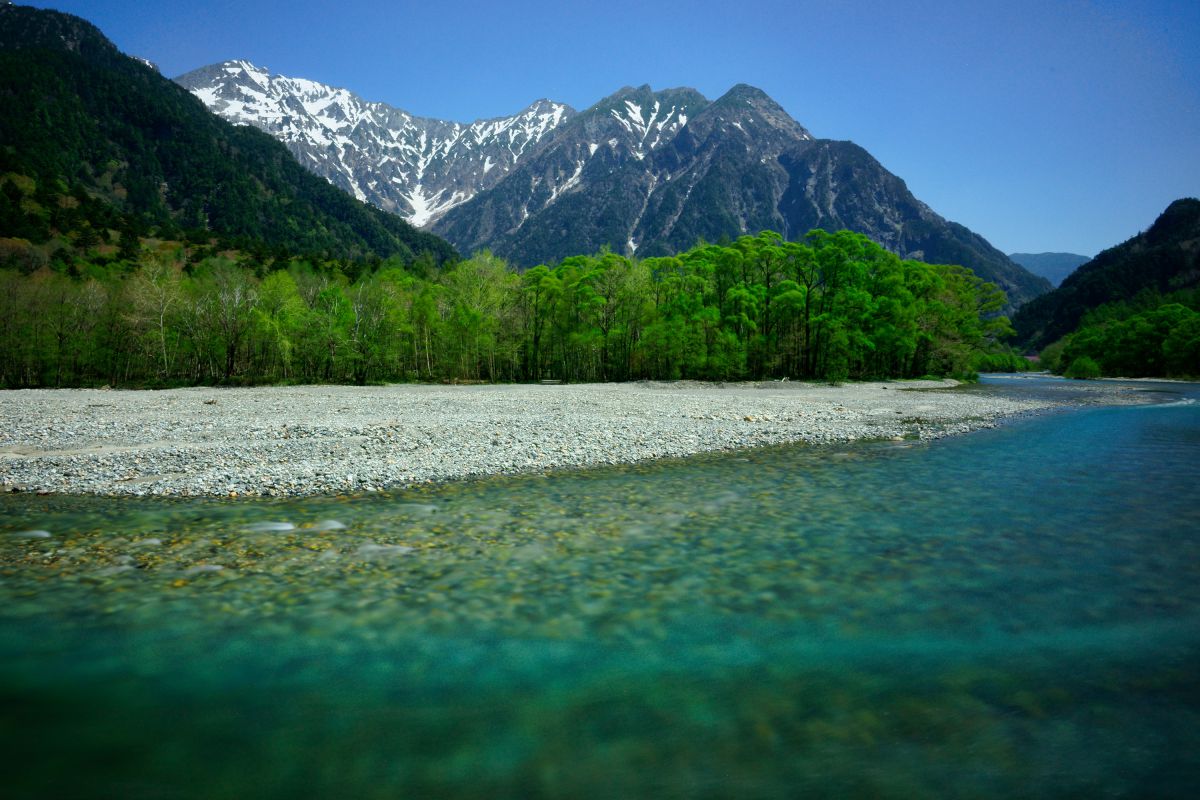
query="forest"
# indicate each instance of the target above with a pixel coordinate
(834, 306)
(1150, 335)
(1133, 311)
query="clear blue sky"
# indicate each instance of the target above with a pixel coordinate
(1044, 126)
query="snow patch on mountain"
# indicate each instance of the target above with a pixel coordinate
(650, 131)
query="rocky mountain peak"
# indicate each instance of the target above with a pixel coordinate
(746, 108)
(414, 166)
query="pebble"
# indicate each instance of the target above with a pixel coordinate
(270, 527)
(306, 440)
(202, 568)
(117, 570)
(369, 552)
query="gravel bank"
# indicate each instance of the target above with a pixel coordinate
(333, 439)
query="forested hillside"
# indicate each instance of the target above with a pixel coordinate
(1134, 310)
(97, 147)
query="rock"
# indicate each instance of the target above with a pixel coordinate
(120, 569)
(200, 569)
(270, 527)
(372, 551)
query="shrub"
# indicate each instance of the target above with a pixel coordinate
(1083, 367)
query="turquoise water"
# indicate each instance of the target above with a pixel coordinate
(1011, 613)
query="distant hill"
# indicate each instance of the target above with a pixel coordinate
(87, 130)
(1165, 258)
(1054, 267)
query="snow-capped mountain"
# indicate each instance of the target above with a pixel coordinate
(621, 173)
(642, 172)
(414, 166)
(612, 177)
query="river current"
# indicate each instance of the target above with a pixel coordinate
(1015, 612)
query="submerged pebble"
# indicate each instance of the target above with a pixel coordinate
(373, 551)
(267, 527)
(202, 568)
(117, 570)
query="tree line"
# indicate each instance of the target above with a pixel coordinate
(1149, 335)
(833, 306)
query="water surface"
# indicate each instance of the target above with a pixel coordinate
(1014, 612)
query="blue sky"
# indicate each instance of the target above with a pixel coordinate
(1044, 126)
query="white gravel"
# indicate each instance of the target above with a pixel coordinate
(333, 439)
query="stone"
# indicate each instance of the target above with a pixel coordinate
(372, 551)
(200, 569)
(270, 527)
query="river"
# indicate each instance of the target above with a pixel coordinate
(1015, 612)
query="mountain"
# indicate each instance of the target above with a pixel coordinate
(1054, 267)
(81, 123)
(641, 172)
(413, 166)
(652, 173)
(585, 189)
(1165, 258)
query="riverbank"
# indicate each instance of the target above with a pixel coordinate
(303, 440)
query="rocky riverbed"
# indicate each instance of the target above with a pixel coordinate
(304, 440)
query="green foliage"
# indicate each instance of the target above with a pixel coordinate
(1051, 356)
(1084, 368)
(1000, 360)
(1163, 341)
(832, 307)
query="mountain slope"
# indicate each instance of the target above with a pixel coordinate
(1164, 258)
(1054, 267)
(77, 114)
(413, 166)
(585, 189)
(737, 165)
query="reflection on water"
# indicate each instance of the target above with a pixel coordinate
(1010, 613)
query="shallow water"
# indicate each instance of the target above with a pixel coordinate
(1014, 612)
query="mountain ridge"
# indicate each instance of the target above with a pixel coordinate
(1054, 267)
(377, 152)
(641, 172)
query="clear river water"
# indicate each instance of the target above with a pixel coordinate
(1015, 612)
